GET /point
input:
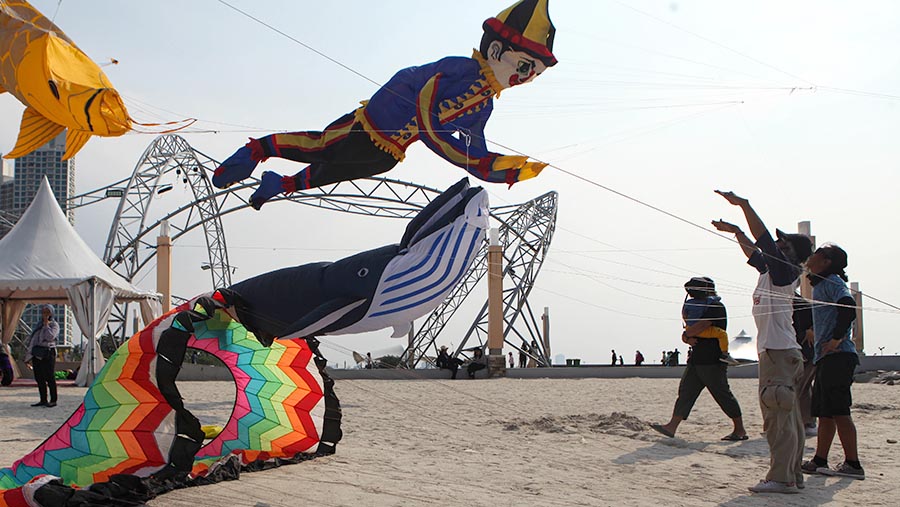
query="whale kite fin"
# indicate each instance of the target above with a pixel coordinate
(323, 316)
(34, 132)
(401, 330)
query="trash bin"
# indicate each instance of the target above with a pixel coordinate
(576, 362)
(569, 362)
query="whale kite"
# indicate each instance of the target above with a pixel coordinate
(386, 287)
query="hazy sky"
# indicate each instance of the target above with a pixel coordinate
(795, 105)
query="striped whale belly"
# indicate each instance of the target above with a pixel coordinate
(417, 282)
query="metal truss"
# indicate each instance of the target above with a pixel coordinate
(525, 234)
(128, 245)
(8, 220)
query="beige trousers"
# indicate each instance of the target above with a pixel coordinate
(780, 373)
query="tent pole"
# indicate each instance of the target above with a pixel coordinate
(93, 327)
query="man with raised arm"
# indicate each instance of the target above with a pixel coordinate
(780, 359)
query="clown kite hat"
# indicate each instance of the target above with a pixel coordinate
(526, 26)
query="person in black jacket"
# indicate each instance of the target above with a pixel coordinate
(705, 371)
(445, 362)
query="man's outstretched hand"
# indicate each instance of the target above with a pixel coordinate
(732, 198)
(726, 226)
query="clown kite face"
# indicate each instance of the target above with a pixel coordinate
(511, 67)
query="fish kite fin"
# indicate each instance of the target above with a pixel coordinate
(34, 132)
(401, 330)
(323, 316)
(75, 140)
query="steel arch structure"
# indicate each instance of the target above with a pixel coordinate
(525, 232)
(128, 234)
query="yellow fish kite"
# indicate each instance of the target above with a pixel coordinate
(60, 86)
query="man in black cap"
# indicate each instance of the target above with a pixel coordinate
(780, 359)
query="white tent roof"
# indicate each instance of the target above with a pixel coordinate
(43, 255)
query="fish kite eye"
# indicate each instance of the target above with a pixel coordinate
(362, 273)
(53, 89)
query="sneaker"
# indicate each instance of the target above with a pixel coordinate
(237, 167)
(775, 487)
(811, 467)
(51, 404)
(39, 404)
(844, 470)
(727, 359)
(269, 187)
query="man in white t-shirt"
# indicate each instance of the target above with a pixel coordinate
(780, 359)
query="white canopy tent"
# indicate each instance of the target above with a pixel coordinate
(43, 260)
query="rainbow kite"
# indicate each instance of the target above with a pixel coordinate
(132, 423)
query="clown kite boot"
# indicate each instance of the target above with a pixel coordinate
(271, 185)
(240, 165)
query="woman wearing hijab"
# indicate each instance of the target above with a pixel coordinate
(41, 354)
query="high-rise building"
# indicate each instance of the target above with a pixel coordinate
(7, 218)
(18, 185)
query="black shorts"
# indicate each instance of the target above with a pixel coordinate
(831, 390)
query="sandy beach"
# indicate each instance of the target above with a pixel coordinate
(516, 442)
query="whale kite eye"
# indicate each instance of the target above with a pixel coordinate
(362, 273)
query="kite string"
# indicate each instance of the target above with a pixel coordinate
(558, 168)
(58, 5)
(307, 46)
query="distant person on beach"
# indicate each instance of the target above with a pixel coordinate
(369, 362)
(614, 358)
(638, 358)
(836, 359)
(6, 369)
(523, 355)
(704, 370)
(621, 361)
(445, 362)
(701, 294)
(780, 360)
(675, 358)
(41, 356)
(512, 361)
(803, 330)
(478, 362)
(665, 359)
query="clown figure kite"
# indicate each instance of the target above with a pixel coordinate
(431, 103)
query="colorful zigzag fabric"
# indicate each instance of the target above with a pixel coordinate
(125, 425)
